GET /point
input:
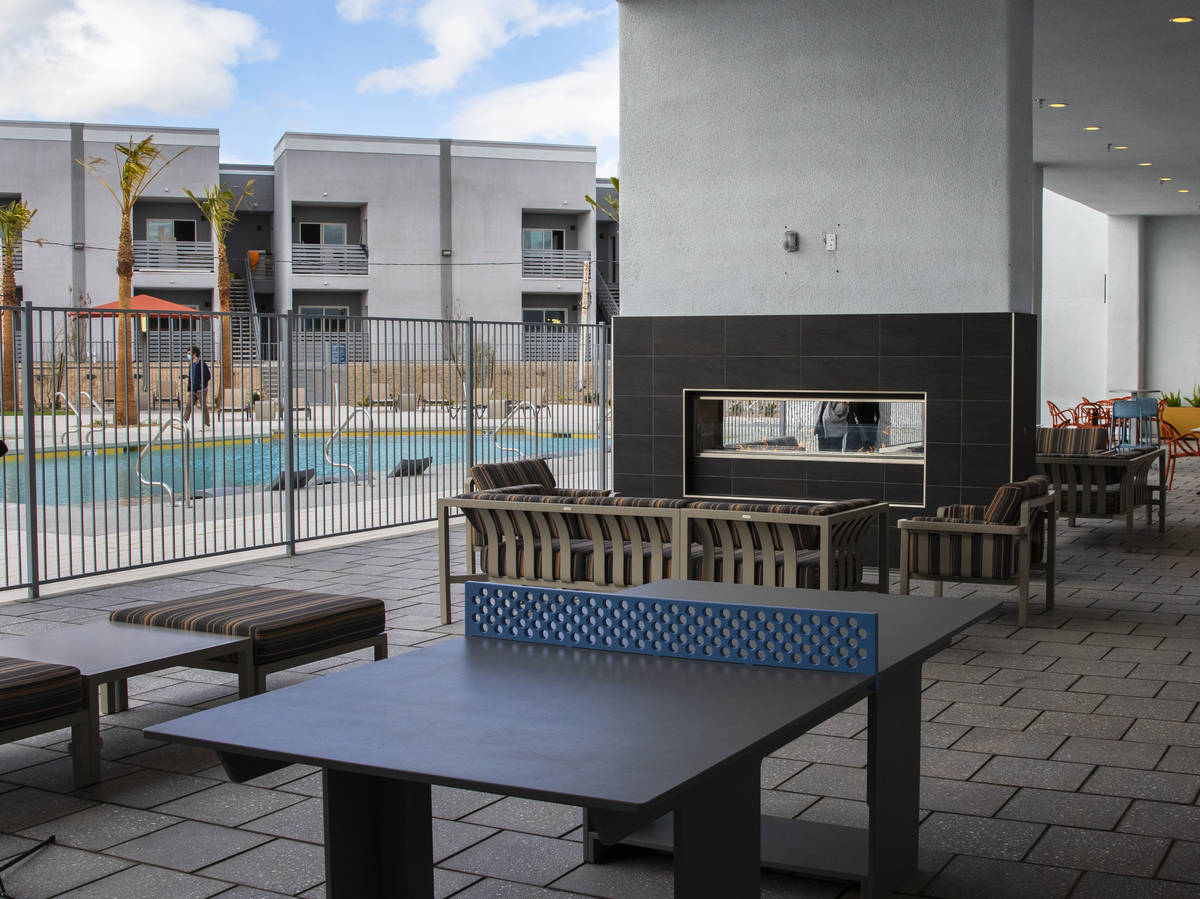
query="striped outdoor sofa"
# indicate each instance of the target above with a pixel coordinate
(38, 697)
(1100, 483)
(996, 543)
(287, 627)
(524, 536)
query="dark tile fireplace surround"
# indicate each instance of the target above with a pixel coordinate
(978, 372)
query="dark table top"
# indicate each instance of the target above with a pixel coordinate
(101, 647)
(909, 627)
(584, 727)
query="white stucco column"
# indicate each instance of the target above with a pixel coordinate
(1125, 303)
(903, 129)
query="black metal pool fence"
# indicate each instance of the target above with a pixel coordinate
(292, 427)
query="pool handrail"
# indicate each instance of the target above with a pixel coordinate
(522, 406)
(370, 444)
(78, 417)
(186, 429)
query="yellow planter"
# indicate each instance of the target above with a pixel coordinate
(1183, 418)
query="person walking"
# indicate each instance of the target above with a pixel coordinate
(199, 377)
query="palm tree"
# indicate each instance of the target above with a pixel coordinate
(219, 208)
(610, 203)
(137, 165)
(14, 219)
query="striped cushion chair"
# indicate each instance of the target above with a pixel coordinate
(287, 627)
(38, 697)
(996, 543)
(1082, 441)
(522, 473)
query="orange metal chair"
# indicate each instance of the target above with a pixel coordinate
(1177, 445)
(1058, 417)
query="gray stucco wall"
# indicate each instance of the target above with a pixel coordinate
(1074, 311)
(902, 127)
(1172, 302)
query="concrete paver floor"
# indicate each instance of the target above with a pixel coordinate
(1061, 759)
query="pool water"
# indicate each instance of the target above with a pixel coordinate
(110, 475)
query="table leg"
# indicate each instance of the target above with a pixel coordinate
(378, 837)
(114, 697)
(718, 836)
(85, 741)
(893, 778)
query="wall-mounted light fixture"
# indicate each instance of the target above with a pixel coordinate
(791, 241)
(445, 252)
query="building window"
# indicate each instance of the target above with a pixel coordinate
(544, 316)
(171, 229)
(543, 239)
(323, 233)
(323, 318)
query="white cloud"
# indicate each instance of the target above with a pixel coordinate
(89, 59)
(355, 11)
(462, 33)
(583, 104)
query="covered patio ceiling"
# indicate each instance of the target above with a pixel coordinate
(1125, 66)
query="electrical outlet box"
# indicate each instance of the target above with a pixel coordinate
(831, 241)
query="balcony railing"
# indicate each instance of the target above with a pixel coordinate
(553, 263)
(329, 259)
(173, 255)
(18, 257)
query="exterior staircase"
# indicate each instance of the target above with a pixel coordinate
(609, 297)
(245, 347)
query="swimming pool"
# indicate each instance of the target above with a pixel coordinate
(100, 475)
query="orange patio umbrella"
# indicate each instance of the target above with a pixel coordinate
(142, 304)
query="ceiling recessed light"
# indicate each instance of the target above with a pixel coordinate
(1164, 180)
(1057, 105)
(1145, 163)
(1184, 190)
(1181, 20)
(1091, 127)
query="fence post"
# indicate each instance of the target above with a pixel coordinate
(470, 393)
(289, 435)
(31, 480)
(602, 400)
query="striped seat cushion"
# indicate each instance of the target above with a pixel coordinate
(960, 555)
(282, 623)
(35, 691)
(1005, 507)
(491, 475)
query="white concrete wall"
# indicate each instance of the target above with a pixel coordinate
(1172, 335)
(1125, 306)
(903, 127)
(35, 163)
(1074, 330)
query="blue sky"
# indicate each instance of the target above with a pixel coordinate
(536, 70)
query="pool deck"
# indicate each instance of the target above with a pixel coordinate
(1061, 759)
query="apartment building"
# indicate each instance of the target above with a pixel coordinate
(337, 225)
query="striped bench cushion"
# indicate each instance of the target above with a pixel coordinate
(35, 691)
(490, 475)
(282, 623)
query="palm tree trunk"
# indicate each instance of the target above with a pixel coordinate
(226, 323)
(122, 413)
(9, 401)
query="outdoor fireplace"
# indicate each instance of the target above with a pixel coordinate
(773, 437)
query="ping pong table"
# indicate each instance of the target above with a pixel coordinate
(659, 751)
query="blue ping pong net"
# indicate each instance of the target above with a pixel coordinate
(720, 632)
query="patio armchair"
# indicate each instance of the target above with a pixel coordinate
(1177, 445)
(1059, 418)
(995, 544)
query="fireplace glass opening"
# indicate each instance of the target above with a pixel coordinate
(849, 426)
